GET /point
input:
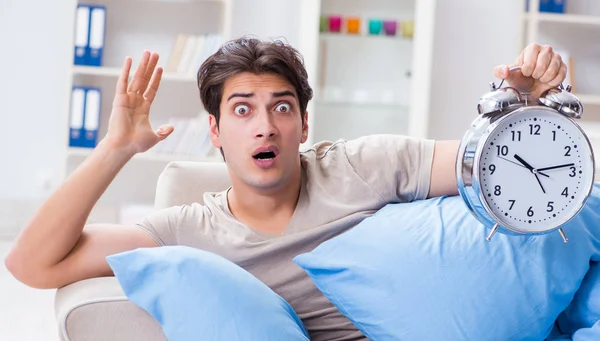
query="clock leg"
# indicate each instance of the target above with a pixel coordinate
(492, 232)
(563, 235)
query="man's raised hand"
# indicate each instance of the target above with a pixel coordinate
(129, 124)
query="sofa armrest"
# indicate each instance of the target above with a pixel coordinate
(97, 309)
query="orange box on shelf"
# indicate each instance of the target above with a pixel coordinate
(353, 25)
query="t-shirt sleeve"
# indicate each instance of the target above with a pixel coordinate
(397, 167)
(161, 225)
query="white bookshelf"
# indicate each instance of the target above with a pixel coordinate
(364, 81)
(574, 19)
(131, 27)
(114, 72)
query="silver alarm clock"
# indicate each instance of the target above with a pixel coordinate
(525, 166)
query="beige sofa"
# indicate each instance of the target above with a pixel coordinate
(96, 309)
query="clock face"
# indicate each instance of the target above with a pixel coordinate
(535, 170)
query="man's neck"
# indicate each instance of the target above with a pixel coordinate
(265, 211)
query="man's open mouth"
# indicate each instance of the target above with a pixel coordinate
(265, 153)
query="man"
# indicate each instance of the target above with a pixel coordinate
(281, 203)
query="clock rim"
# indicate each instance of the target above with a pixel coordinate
(483, 139)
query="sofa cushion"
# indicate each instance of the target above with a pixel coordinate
(424, 271)
(194, 293)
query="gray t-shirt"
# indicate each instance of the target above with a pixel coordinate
(342, 183)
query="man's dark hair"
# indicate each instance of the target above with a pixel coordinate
(247, 54)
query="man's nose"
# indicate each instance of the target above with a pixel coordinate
(265, 125)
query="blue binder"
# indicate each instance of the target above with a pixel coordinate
(558, 6)
(82, 28)
(91, 122)
(77, 112)
(549, 6)
(97, 30)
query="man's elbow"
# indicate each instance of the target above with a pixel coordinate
(27, 275)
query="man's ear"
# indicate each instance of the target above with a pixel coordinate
(214, 131)
(304, 128)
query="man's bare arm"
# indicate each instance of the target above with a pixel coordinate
(443, 174)
(54, 249)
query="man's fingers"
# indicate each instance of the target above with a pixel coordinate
(543, 62)
(152, 89)
(164, 131)
(501, 71)
(552, 70)
(152, 61)
(560, 76)
(530, 57)
(124, 77)
(136, 84)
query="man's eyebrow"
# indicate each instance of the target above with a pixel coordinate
(244, 95)
(284, 93)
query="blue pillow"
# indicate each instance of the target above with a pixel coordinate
(581, 319)
(196, 295)
(424, 271)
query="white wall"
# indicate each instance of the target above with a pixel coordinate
(471, 37)
(35, 59)
(266, 19)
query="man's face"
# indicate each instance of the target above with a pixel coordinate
(260, 130)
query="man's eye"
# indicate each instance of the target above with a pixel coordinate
(241, 109)
(283, 107)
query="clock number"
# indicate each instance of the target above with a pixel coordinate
(516, 134)
(553, 135)
(530, 211)
(565, 192)
(492, 169)
(568, 149)
(534, 129)
(502, 150)
(497, 190)
(550, 206)
(512, 203)
(572, 174)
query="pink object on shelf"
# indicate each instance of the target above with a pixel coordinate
(389, 27)
(335, 23)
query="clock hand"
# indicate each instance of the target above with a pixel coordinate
(559, 166)
(524, 163)
(539, 182)
(520, 165)
(533, 170)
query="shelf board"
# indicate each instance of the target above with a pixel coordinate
(115, 72)
(350, 102)
(592, 129)
(589, 99)
(75, 152)
(577, 19)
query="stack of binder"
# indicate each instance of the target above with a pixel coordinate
(84, 117)
(89, 34)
